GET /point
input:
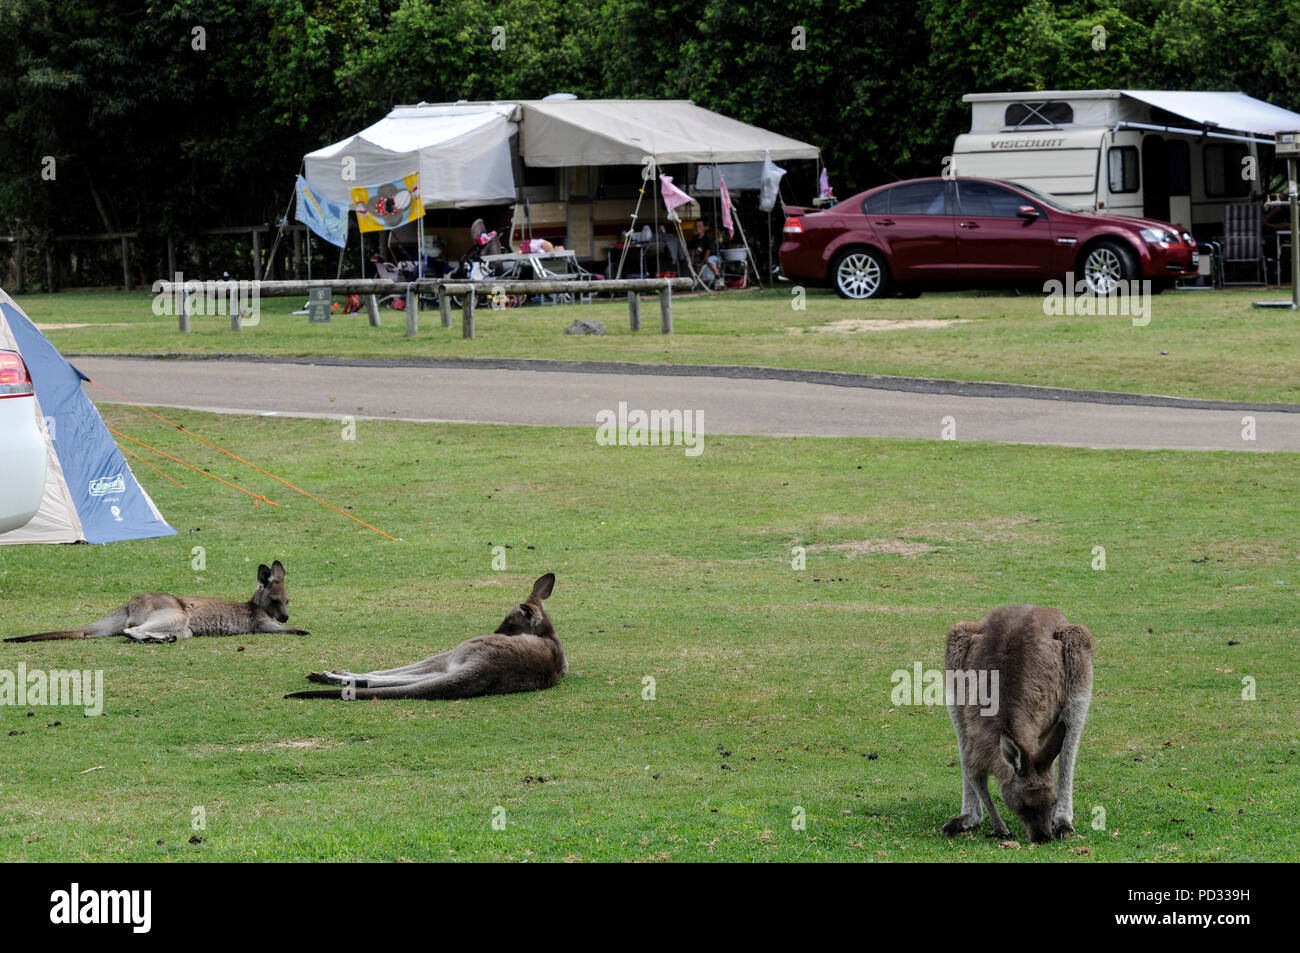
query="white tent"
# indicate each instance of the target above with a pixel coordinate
(462, 152)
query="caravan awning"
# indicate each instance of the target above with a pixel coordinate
(462, 152)
(1226, 111)
(624, 132)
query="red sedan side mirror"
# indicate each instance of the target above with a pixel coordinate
(1027, 211)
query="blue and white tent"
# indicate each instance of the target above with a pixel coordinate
(91, 495)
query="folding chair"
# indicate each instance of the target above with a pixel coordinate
(1243, 241)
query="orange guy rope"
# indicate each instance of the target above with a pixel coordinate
(172, 423)
(256, 496)
(150, 465)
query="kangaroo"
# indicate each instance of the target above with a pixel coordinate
(522, 655)
(158, 617)
(1044, 664)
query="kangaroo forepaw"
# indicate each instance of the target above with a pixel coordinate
(296, 632)
(960, 824)
(1000, 831)
(1062, 828)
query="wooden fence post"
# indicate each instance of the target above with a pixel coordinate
(666, 309)
(467, 308)
(412, 311)
(372, 310)
(444, 306)
(634, 310)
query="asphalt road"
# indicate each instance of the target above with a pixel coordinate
(773, 403)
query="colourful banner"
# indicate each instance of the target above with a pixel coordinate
(327, 219)
(390, 205)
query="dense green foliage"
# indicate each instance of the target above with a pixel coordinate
(175, 114)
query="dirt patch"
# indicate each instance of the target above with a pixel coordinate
(853, 325)
(856, 547)
(990, 530)
(293, 743)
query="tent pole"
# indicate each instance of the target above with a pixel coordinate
(749, 254)
(658, 264)
(627, 241)
(308, 231)
(770, 272)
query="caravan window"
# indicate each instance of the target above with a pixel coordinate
(1223, 170)
(1039, 114)
(1123, 164)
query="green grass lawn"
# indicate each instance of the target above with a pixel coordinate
(1210, 345)
(771, 686)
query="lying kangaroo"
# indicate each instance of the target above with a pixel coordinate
(522, 655)
(1044, 666)
(158, 617)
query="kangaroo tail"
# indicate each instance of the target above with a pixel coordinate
(111, 624)
(50, 636)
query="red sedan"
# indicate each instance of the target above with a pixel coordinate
(951, 232)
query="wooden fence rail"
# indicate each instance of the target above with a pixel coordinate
(468, 291)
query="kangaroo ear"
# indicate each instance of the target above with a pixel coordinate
(263, 574)
(543, 586)
(1052, 747)
(277, 569)
(1010, 752)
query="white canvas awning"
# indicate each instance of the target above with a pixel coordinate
(462, 152)
(624, 132)
(1228, 111)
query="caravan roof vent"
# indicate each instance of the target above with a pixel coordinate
(558, 98)
(1039, 114)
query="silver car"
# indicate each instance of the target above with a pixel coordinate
(22, 476)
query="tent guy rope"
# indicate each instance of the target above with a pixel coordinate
(202, 439)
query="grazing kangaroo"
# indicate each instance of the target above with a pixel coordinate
(1044, 665)
(158, 617)
(522, 655)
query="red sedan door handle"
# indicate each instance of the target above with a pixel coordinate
(885, 221)
(968, 225)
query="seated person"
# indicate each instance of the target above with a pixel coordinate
(532, 246)
(704, 255)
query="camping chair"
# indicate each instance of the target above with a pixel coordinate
(1243, 241)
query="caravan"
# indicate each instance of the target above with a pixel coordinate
(1175, 157)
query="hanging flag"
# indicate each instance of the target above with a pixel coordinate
(771, 183)
(824, 190)
(673, 196)
(726, 207)
(327, 219)
(390, 205)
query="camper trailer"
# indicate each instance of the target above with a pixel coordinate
(1174, 156)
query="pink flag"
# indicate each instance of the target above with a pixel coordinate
(726, 208)
(673, 196)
